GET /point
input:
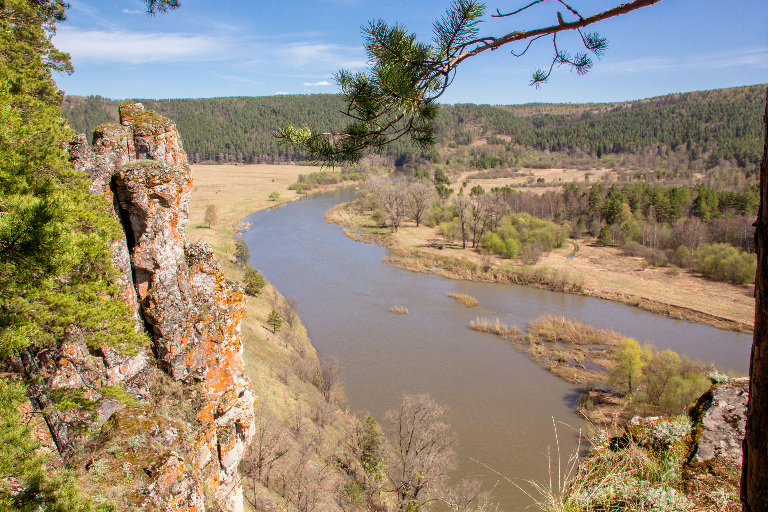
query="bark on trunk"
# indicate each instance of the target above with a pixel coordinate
(754, 477)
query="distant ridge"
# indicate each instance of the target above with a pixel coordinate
(722, 124)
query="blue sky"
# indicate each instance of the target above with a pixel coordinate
(264, 47)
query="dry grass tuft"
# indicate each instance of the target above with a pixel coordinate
(400, 310)
(465, 300)
(558, 328)
(499, 328)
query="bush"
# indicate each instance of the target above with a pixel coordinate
(682, 392)
(723, 262)
(493, 243)
(633, 248)
(380, 218)
(682, 257)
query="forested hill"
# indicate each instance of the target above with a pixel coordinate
(722, 124)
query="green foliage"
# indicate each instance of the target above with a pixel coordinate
(242, 254)
(27, 484)
(274, 196)
(371, 454)
(55, 258)
(605, 236)
(724, 122)
(307, 182)
(274, 321)
(724, 262)
(253, 281)
(630, 360)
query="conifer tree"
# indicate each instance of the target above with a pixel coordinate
(396, 97)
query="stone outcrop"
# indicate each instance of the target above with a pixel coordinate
(720, 418)
(192, 315)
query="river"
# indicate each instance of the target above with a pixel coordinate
(503, 407)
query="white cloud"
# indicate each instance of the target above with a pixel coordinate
(281, 93)
(317, 84)
(136, 47)
(132, 11)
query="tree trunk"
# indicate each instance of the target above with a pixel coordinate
(754, 477)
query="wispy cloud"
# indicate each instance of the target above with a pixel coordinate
(317, 84)
(320, 54)
(138, 48)
(752, 57)
(132, 11)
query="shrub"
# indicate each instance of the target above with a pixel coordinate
(633, 248)
(379, 217)
(493, 243)
(683, 390)
(682, 257)
(447, 230)
(723, 262)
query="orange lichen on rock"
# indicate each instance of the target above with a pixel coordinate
(191, 311)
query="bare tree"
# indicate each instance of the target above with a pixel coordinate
(423, 451)
(463, 212)
(467, 496)
(422, 195)
(328, 378)
(211, 215)
(478, 210)
(392, 197)
(267, 447)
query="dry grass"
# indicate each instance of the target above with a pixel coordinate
(560, 329)
(498, 327)
(400, 310)
(596, 271)
(465, 300)
(284, 366)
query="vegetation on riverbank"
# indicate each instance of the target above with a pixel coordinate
(592, 269)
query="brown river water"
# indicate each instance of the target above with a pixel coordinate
(503, 406)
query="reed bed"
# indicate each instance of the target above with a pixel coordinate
(465, 300)
(498, 327)
(558, 328)
(400, 310)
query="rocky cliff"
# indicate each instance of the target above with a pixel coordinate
(168, 424)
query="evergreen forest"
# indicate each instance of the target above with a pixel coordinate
(696, 131)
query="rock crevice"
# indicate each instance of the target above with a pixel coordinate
(182, 299)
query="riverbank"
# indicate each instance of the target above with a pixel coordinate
(580, 266)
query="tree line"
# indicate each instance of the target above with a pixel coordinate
(706, 127)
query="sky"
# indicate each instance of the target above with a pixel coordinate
(265, 47)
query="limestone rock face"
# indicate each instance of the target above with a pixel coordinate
(186, 304)
(720, 416)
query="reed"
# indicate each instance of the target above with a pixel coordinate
(498, 327)
(566, 330)
(465, 300)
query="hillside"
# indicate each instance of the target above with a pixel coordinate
(707, 126)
